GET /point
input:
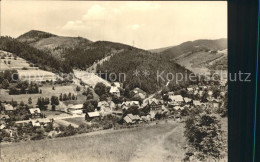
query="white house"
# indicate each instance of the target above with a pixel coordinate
(114, 91)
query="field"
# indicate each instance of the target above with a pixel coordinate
(17, 63)
(200, 61)
(133, 144)
(47, 91)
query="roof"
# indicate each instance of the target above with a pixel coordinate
(177, 108)
(8, 107)
(130, 103)
(114, 89)
(138, 90)
(177, 98)
(35, 110)
(131, 116)
(5, 117)
(2, 126)
(117, 84)
(93, 114)
(78, 106)
(190, 89)
(127, 119)
(186, 99)
(22, 121)
(196, 103)
(137, 117)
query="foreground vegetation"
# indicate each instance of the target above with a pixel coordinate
(119, 145)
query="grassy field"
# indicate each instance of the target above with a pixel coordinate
(111, 145)
(46, 92)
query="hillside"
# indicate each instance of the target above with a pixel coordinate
(33, 36)
(76, 52)
(41, 59)
(193, 46)
(199, 56)
(54, 44)
(147, 67)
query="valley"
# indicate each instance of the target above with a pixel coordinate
(62, 99)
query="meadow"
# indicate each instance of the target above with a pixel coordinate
(110, 145)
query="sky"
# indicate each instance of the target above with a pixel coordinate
(146, 24)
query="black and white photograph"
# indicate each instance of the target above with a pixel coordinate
(114, 81)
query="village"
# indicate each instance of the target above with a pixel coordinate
(35, 108)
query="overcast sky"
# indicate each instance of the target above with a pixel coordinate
(149, 24)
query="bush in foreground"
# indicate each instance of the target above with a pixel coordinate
(204, 136)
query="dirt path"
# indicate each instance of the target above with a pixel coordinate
(157, 148)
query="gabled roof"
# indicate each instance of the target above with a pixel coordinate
(93, 114)
(131, 116)
(127, 119)
(196, 103)
(5, 117)
(35, 110)
(130, 103)
(137, 117)
(8, 107)
(176, 98)
(114, 89)
(2, 126)
(177, 108)
(186, 99)
(117, 84)
(190, 89)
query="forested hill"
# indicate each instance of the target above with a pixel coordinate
(193, 46)
(52, 43)
(42, 59)
(33, 36)
(146, 65)
(77, 52)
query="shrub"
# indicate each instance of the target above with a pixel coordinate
(204, 136)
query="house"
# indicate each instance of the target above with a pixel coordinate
(196, 103)
(75, 109)
(41, 122)
(177, 108)
(190, 89)
(187, 100)
(176, 100)
(2, 126)
(127, 104)
(92, 115)
(215, 104)
(22, 123)
(35, 112)
(154, 104)
(5, 118)
(130, 118)
(114, 91)
(117, 84)
(203, 88)
(106, 106)
(138, 92)
(8, 107)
